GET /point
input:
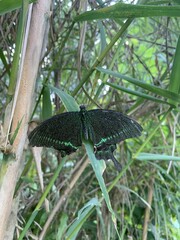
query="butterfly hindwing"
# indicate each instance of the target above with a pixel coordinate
(62, 132)
(105, 152)
(110, 127)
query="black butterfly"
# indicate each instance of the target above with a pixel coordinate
(104, 128)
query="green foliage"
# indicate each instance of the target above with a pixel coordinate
(128, 65)
(46, 104)
(10, 5)
(121, 10)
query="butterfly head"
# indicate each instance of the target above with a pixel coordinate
(82, 108)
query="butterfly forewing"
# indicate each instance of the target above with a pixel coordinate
(110, 127)
(62, 132)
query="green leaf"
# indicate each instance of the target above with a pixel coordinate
(10, 5)
(68, 101)
(83, 214)
(98, 169)
(150, 156)
(136, 93)
(46, 104)
(16, 132)
(62, 226)
(18, 49)
(174, 85)
(156, 90)
(102, 35)
(121, 10)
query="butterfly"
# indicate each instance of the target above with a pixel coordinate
(104, 128)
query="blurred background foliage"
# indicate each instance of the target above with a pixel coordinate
(145, 50)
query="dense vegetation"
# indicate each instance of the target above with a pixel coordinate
(121, 58)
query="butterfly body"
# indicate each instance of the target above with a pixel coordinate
(104, 128)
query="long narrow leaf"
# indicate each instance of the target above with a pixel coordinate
(136, 93)
(18, 48)
(150, 156)
(174, 85)
(83, 214)
(47, 105)
(156, 90)
(69, 102)
(10, 5)
(121, 10)
(96, 164)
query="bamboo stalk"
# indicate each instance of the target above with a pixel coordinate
(38, 28)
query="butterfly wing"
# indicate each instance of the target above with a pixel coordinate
(106, 152)
(110, 127)
(107, 128)
(62, 132)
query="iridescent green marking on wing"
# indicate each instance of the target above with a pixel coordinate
(104, 140)
(124, 134)
(54, 141)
